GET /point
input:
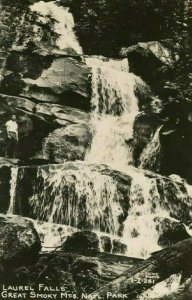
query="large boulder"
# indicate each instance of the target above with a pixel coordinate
(150, 60)
(67, 144)
(81, 242)
(170, 232)
(47, 79)
(156, 63)
(20, 243)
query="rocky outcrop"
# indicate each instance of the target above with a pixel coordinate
(67, 144)
(47, 79)
(150, 60)
(20, 244)
(37, 121)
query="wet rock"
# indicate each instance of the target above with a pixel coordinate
(170, 232)
(111, 245)
(118, 247)
(20, 243)
(106, 243)
(62, 80)
(67, 144)
(81, 242)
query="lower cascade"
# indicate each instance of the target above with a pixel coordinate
(95, 197)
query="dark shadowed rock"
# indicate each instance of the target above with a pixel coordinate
(150, 60)
(144, 128)
(81, 242)
(111, 245)
(20, 243)
(170, 232)
(5, 177)
(118, 247)
(67, 144)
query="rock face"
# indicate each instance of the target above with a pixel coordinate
(20, 243)
(61, 115)
(170, 232)
(32, 127)
(67, 144)
(175, 138)
(47, 79)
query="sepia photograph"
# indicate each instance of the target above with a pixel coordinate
(96, 149)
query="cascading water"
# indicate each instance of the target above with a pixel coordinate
(80, 197)
(144, 206)
(63, 24)
(114, 108)
(13, 185)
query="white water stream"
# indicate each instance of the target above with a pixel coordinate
(114, 108)
(63, 25)
(13, 185)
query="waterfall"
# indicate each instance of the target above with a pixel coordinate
(92, 197)
(114, 108)
(150, 156)
(140, 232)
(13, 185)
(77, 197)
(63, 25)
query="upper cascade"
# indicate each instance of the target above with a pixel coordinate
(63, 23)
(114, 108)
